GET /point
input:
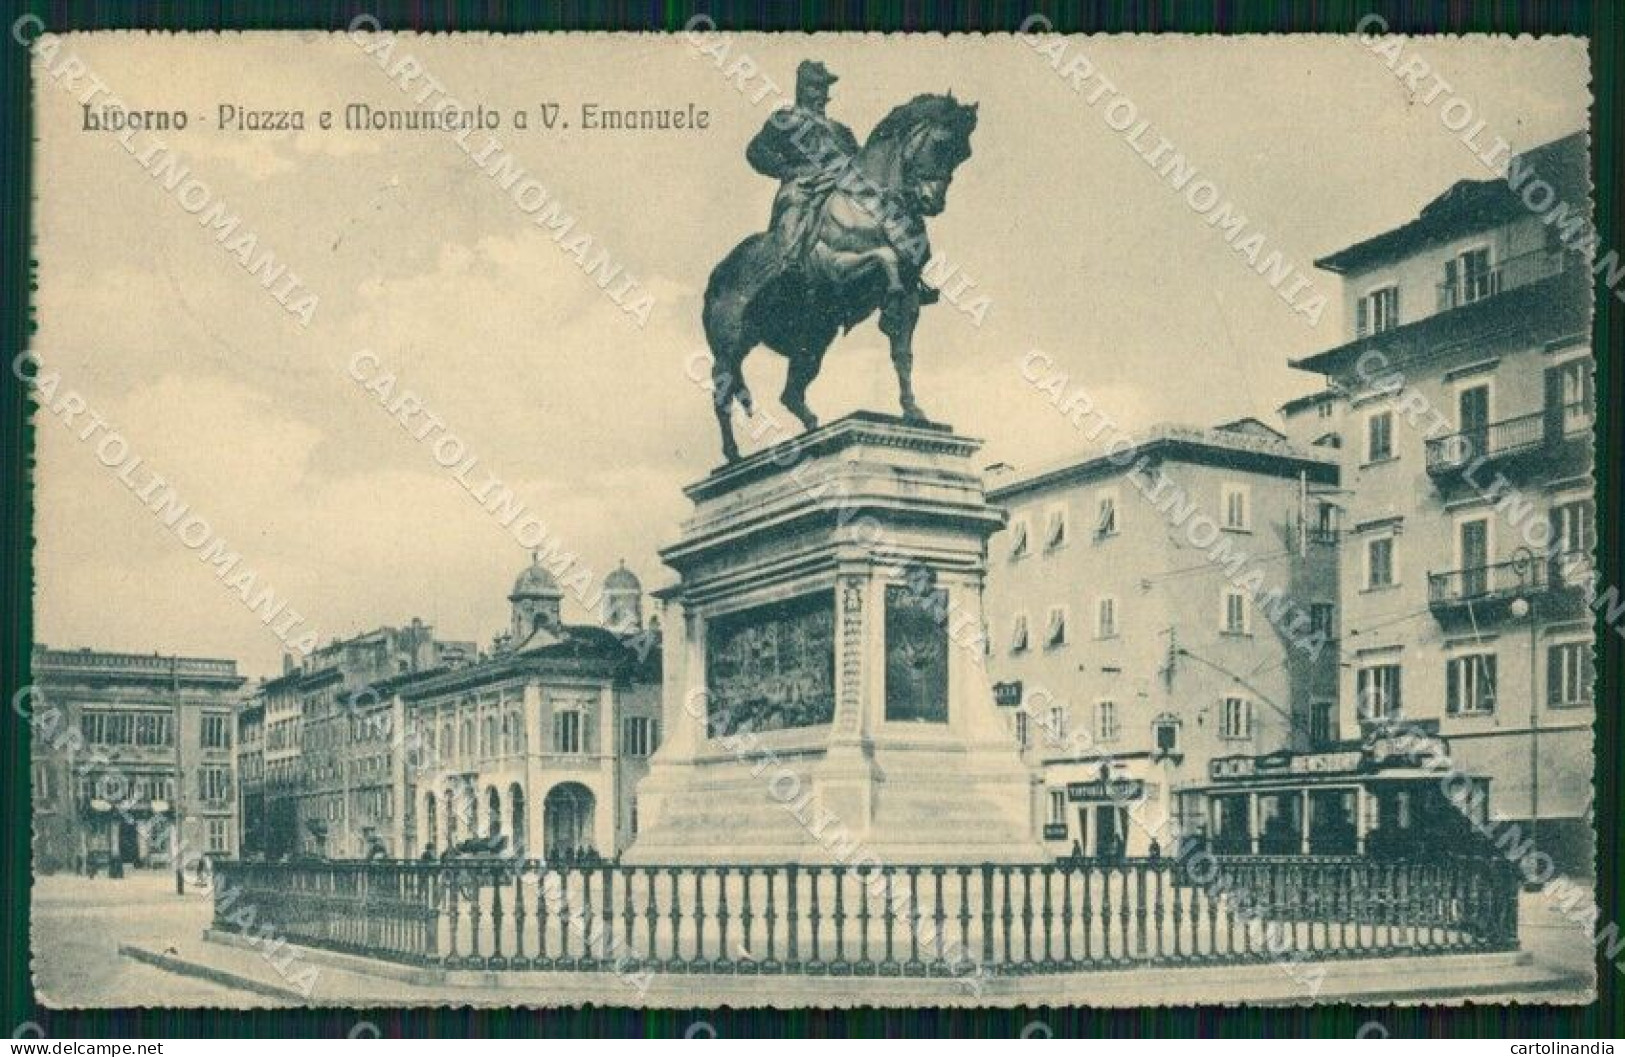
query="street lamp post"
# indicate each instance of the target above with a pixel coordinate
(180, 778)
(1524, 607)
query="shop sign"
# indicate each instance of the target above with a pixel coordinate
(1121, 790)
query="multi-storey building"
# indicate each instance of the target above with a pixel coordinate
(397, 744)
(1464, 390)
(1314, 420)
(318, 782)
(541, 744)
(250, 755)
(1162, 606)
(124, 744)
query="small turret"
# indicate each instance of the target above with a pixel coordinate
(622, 607)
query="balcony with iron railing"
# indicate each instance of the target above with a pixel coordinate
(1470, 287)
(1543, 433)
(1485, 592)
(1500, 582)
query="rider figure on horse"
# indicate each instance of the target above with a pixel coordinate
(802, 148)
(806, 150)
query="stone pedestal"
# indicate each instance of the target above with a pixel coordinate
(826, 698)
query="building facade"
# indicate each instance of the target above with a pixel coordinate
(1160, 607)
(538, 748)
(322, 786)
(125, 744)
(1464, 386)
(250, 752)
(400, 745)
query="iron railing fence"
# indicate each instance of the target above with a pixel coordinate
(944, 920)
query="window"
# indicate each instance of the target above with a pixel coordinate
(1572, 540)
(1055, 727)
(1569, 674)
(216, 731)
(1470, 685)
(1020, 721)
(1106, 723)
(214, 784)
(1055, 528)
(1238, 514)
(1018, 633)
(1469, 276)
(1322, 723)
(1322, 617)
(146, 729)
(1573, 390)
(1236, 618)
(567, 732)
(632, 816)
(637, 736)
(1165, 735)
(1325, 527)
(1236, 719)
(219, 836)
(1377, 691)
(1379, 436)
(42, 781)
(1379, 563)
(1106, 515)
(1377, 311)
(1105, 617)
(1057, 807)
(1055, 631)
(1019, 532)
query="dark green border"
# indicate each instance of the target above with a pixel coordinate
(1603, 25)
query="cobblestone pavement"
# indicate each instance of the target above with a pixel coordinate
(79, 922)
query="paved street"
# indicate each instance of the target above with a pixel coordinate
(78, 924)
(1554, 940)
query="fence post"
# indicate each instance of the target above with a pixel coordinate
(987, 913)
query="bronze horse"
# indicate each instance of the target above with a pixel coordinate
(866, 250)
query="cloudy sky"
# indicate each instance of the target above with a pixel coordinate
(418, 256)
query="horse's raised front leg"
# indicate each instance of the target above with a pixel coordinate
(846, 265)
(897, 319)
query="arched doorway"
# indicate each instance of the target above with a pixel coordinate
(516, 803)
(567, 819)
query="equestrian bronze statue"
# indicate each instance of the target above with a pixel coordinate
(847, 237)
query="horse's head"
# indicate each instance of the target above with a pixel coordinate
(931, 134)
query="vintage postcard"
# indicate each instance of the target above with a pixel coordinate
(716, 519)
